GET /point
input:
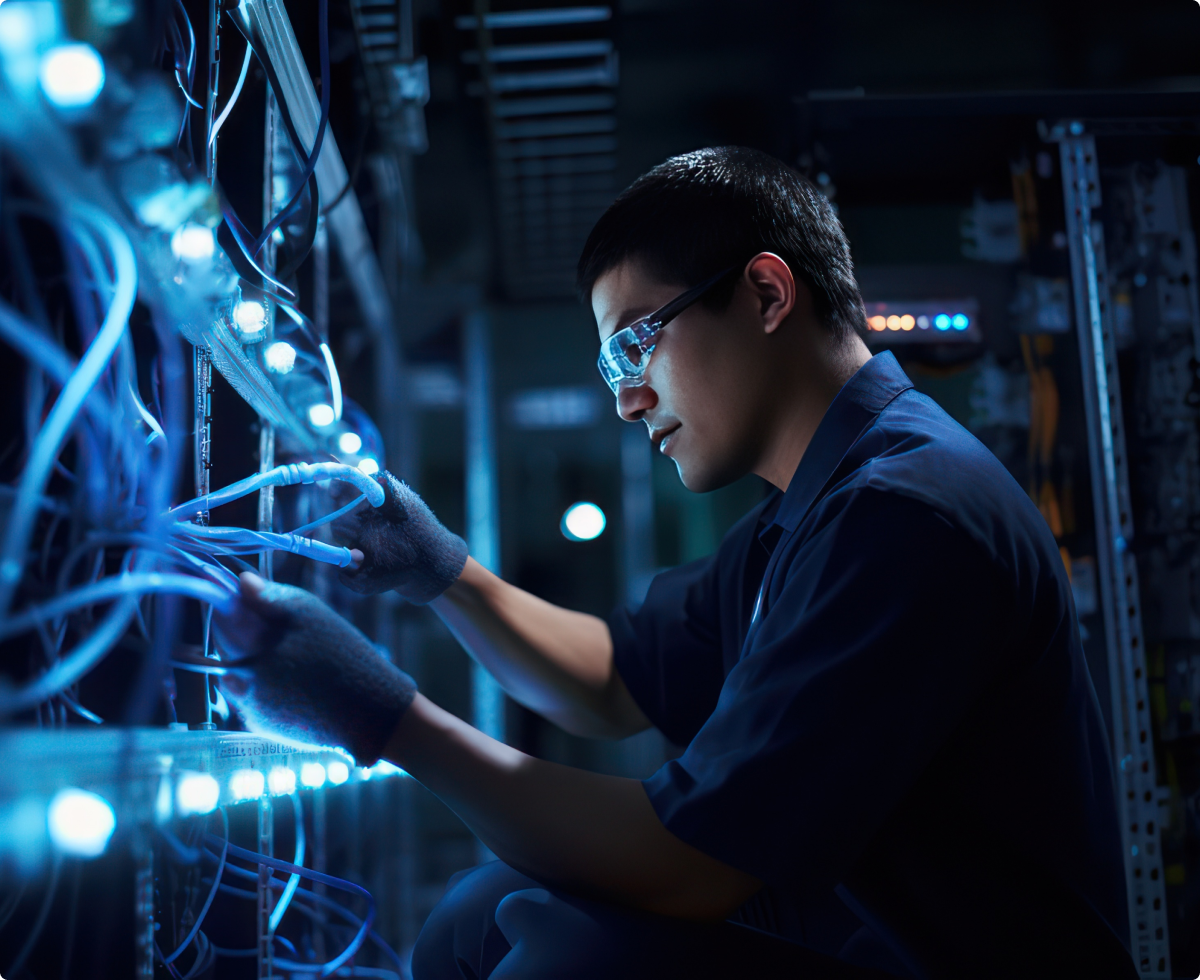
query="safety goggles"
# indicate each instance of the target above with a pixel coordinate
(624, 355)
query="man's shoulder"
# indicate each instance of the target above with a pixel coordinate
(916, 451)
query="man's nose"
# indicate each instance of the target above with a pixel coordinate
(634, 401)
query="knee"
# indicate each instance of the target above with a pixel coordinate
(460, 936)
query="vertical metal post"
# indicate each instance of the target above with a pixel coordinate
(266, 431)
(264, 903)
(202, 414)
(483, 510)
(143, 905)
(1133, 744)
(214, 78)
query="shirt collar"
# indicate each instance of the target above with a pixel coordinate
(854, 408)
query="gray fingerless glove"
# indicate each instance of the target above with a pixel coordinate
(301, 672)
(404, 546)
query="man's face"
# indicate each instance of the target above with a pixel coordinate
(705, 399)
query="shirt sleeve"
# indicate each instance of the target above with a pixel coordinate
(882, 629)
(668, 651)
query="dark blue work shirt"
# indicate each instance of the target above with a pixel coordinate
(907, 724)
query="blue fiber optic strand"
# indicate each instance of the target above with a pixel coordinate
(66, 408)
(316, 898)
(288, 475)
(328, 518)
(211, 894)
(310, 163)
(325, 969)
(114, 587)
(293, 882)
(240, 541)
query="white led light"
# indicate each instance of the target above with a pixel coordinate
(312, 775)
(368, 465)
(80, 823)
(349, 442)
(338, 772)
(193, 243)
(197, 792)
(72, 75)
(247, 784)
(583, 522)
(280, 357)
(249, 316)
(321, 415)
(282, 781)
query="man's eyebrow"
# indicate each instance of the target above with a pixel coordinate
(631, 314)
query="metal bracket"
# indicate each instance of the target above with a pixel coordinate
(1133, 743)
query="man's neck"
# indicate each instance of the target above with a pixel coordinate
(826, 369)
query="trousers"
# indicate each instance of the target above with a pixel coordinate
(495, 923)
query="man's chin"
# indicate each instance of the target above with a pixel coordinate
(704, 479)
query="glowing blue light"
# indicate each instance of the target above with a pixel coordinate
(321, 415)
(193, 243)
(368, 465)
(923, 322)
(282, 781)
(942, 321)
(80, 823)
(247, 784)
(249, 316)
(197, 792)
(338, 772)
(312, 775)
(72, 75)
(583, 522)
(280, 357)
(960, 321)
(350, 442)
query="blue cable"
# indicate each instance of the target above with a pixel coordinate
(282, 476)
(313, 525)
(83, 379)
(211, 894)
(293, 882)
(262, 860)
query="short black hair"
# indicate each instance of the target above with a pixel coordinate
(700, 212)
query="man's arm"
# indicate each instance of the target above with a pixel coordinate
(554, 661)
(595, 835)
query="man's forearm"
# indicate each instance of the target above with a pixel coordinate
(591, 834)
(554, 661)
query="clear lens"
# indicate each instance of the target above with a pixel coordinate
(623, 357)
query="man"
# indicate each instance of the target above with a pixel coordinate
(895, 761)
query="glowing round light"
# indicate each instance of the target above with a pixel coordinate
(960, 321)
(72, 75)
(192, 243)
(80, 823)
(349, 442)
(908, 321)
(312, 775)
(247, 784)
(338, 772)
(321, 415)
(923, 322)
(368, 465)
(583, 522)
(197, 792)
(942, 321)
(249, 316)
(877, 322)
(280, 357)
(893, 322)
(282, 781)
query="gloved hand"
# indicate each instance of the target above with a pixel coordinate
(301, 672)
(404, 546)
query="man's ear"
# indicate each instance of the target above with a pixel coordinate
(777, 290)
